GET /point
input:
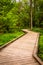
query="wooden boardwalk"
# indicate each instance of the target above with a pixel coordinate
(20, 52)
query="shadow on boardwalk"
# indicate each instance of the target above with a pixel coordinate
(20, 52)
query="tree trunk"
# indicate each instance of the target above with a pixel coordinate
(31, 24)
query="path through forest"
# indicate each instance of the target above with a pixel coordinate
(20, 51)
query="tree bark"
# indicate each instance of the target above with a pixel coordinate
(31, 24)
(34, 5)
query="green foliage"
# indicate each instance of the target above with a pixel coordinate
(38, 14)
(16, 15)
(40, 51)
(4, 38)
(5, 7)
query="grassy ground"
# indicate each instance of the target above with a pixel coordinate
(6, 37)
(40, 49)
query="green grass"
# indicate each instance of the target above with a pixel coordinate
(6, 37)
(40, 48)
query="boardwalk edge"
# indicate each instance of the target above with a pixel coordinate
(8, 43)
(36, 50)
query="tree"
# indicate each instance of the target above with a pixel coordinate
(38, 13)
(31, 25)
(5, 7)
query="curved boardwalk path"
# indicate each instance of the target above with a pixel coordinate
(20, 51)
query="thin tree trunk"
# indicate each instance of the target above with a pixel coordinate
(34, 11)
(34, 5)
(31, 25)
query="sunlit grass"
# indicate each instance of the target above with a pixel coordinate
(6, 37)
